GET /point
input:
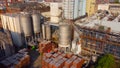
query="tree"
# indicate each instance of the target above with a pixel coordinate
(107, 61)
(116, 1)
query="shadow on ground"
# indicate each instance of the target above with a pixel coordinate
(35, 59)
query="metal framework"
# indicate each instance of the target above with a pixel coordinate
(99, 41)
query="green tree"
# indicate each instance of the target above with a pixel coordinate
(116, 1)
(107, 61)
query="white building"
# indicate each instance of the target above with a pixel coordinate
(55, 12)
(74, 8)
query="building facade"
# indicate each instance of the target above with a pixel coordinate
(6, 46)
(74, 8)
(101, 36)
(91, 7)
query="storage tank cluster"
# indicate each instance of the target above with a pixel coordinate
(11, 22)
(22, 26)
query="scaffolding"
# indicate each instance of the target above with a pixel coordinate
(99, 42)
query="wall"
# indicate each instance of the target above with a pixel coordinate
(103, 7)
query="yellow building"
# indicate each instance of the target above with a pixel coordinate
(91, 7)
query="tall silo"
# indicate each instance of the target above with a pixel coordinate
(36, 23)
(43, 31)
(12, 23)
(64, 35)
(26, 21)
(48, 31)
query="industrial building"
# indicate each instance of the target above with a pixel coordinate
(73, 9)
(100, 34)
(59, 33)
(24, 27)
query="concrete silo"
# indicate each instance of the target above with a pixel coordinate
(64, 35)
(11, 22)
(36, 22)
(48, 31)
(36, 25)
(26, 22)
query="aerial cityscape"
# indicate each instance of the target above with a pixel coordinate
(59, 33)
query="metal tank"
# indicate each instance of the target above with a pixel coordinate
(48, 31)
(43, 32)
(64, 35)
(36, 22)
(26, 21)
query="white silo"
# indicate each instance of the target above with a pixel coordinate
(12, 23)
(48, 31)
(64, 35)
(26, 21)
(36, 22)
(43, 31)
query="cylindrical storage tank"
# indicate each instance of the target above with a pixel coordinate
(36, 23)
(48, 32)
(64, 35)
(43, 32)
(26, 21)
